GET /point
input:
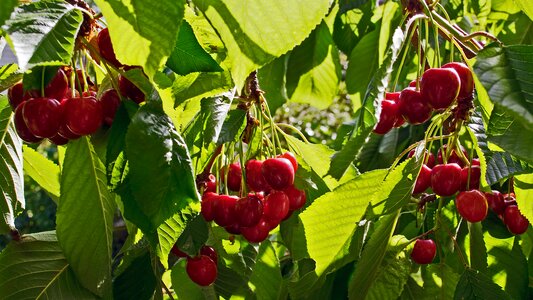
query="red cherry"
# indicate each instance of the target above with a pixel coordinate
(16, 95)
(429, 160)
(276, 205)
(475, 177)
(207, 208)
(495, 201)
(515, 221)
(22, 130)
(394, 96)
(211, 183)
(290, 156)
(257, 233)
(129, 90)
(440, 86)
(80, 85)
(83, 115)
(209, 252)
(467, 80)
(412, 83)
(273, 223)
(414, 107)
(43, 116)
(224, 206)
(56, 89)
(454, 157)
(424, 251)
(176, 251)
(249, 211)
(58, 140)
(423, 181)
(476, 162)
(472, 205)
(278, 172)
(254, 178)
(234, 228)
(387, 117)
(234, 176)
(202, 270)
(106, 48)
(110, 102)
(446, 179)
(296, 197)
(509, 199)
(64, 131)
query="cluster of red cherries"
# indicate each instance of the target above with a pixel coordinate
(439, 88)
(272, 199)
(60, 112)
(202, 268)
(505, 206)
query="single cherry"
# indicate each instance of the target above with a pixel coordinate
(387, 117)
(176, 251)
(467, 80)
(446, 179)
(207, 206)
(254, 178)
(475, 176)
(423, 181)
(453, 158)
(440, 87)
(234, 228)
(234, 176)
(509, 199)
(290, 156)
(257, 233)
(22, 129)
(64, 131)
(424, 251)
(110, 102)
(58, 140)
(129, 90)
(278, 172)
(413, 106)
(224, 206)
(429, 158)
(106, 48)
(249, 210)
(472, 205)
(211, 184)
(57, 88)
(83, 115)
(515, 221)
(16, 95)
(209, 252)
(43, 116)
(495, 201)
(276, 205)
(394, 96)
(202, 270)
(296, 197)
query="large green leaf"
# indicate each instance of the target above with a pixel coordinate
(11, 179)
(523, 186)
(439, 282)
(35, 268)
(9, 75)
(506, 75)
(272, 81)
(314, 70)
(6, 8)
(526, 6)
(260, 31)
(233, 126)
(362, 64)
(44, 171)
(137, 280)
(85, 217)
(194, 236)
(161, 178)
(143, 32)
(196, 86)
(44, 32)
(391, 278)
(475, 285)
(266, 280)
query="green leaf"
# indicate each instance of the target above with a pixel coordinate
(232, 127)
(506, 75)
(160, 171)
(362, 64)
(44, 171)
(44, 32)
(188, 55)
(373, 253)
(526, 6)
(6, 8)
(12, 178)
(347, 207)
(39, 76)
(260, 31)
(137, 281)
(35, 268)
(475, 285)
(196, 86)
(523, 188)
(193, 236)
(314, 70)
(439, 282)
(478, 251)
(266, 280)
(9, 75)
(85, 217)
(214, 112)
(391, 278)
(150, 27)
(272, 80)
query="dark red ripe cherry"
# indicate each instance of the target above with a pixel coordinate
(515, 221)
(130, 90)
(16, 95)
(110, 102)
(202, 270)
(234, 228)
(22, 130)
(83, 115)
(446, 179)
(276, 206)
(440, 86)
(472, 205)
(423, 181)
(454, 157)
(495, 201)
(209, 252)
(290, 156)
(429, 160)
(278, 172)
(387, 117)
(208, 209)
(176, 251)
(64, 131)
(43, 116)
(509, 199)
(296, 197)
(234, 177)
(394, 96)
(475, 176)
(58, 140)
(412, 83)
(254, 178)
(424, 251)
(106, 48)
(58, 87)
(257, 233)
(249, 211)
(211, 183)
(467, 80)
(224, 207)
(414, 107)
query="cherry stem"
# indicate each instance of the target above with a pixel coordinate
(298, 132)
(422, 235)
(211, 161)
(457, 247)
(167, 291)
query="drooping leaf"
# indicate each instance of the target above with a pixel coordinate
(35, 268)
(272, 81)
(391, 278)
(266, 279)
(439, 282)
(362, 64)
(194, 236)
(11, 170)
(232, 127)
(9, 75)
(214, 112)
(38, 77)
(478, 251)
(188, 55)
(44, 171)
(6, 8)
(137, 281)
(44, 33)
(475, 285)
(526, 7)
(523, 187)
(196, 86)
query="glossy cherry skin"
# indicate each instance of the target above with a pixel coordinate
(446, 179)
(176, 251)
(423, 181)
(234, 228)
(110, 102)
(83, 115)
(429, 160)
(440, 86)
(509, 199)
(16, 95)
(106, 48)
(278, 173)
(257, 233)
(57, 88)
(290, 156)
(454, 157)
(130, 90)
(495, 201)
(424, 251)
(58, 140)
(224, 207)
(475, 176)
(276, 206)
(63, 130)
(414, 107)
(296, 197)
(472, 205)
(254, 178)
(202, 270)
(43, 116)
(211, 184)
(467, 80)
(209, 252)
(249, 211)
(387, 117)
(22, 129)
(234, 176)
(515, 221)
(207, 206)
(395, 96)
